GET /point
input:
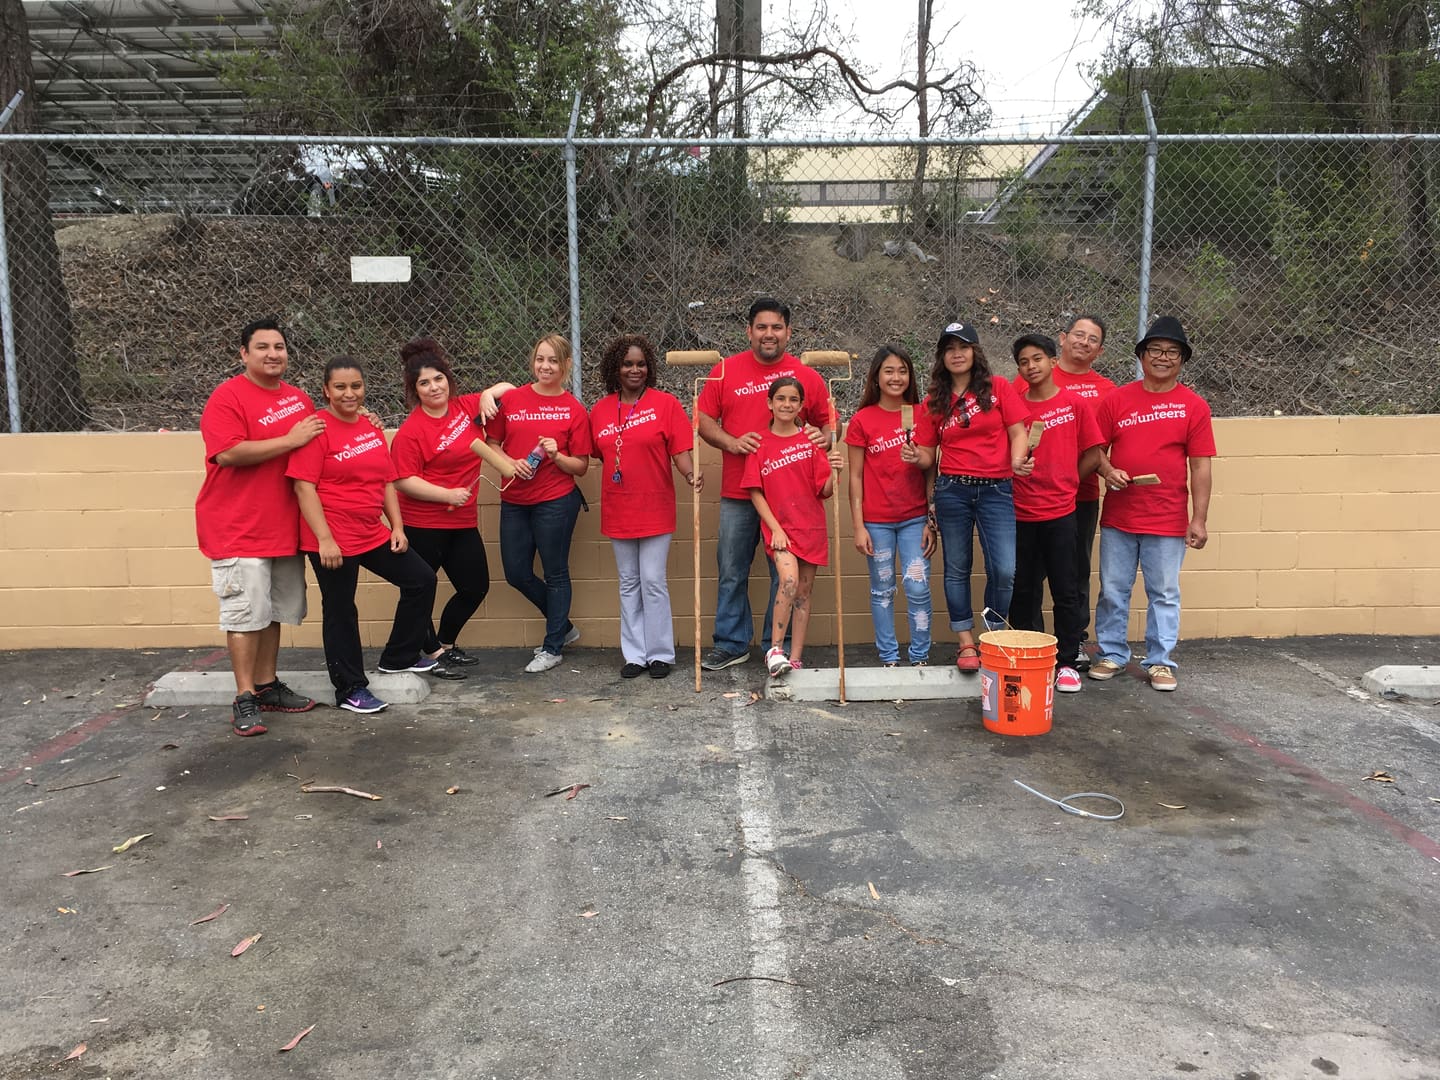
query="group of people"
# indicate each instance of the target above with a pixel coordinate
(1014, 462)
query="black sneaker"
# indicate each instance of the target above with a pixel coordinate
(1082, 660)
(719, 659)
(457, 657)
(440, 671)
(632, 671)
(659, 669)
(245, 715)
(277, 697)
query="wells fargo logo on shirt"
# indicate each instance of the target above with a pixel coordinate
(1164, 410)
(460, 425)
(1061, 414)
(286, 406)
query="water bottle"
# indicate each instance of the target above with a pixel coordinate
(535, 456)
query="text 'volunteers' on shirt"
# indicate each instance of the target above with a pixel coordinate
(248, 511)
(893, 490)
(981, 448)
(790, 472)
(635, 442)
(1050, 490)
(349, 464)
(525, 417)
(1153, 433)
(437, 449)
(736, 395)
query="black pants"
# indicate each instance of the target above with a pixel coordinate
(340, 622)
(1046, 550)
(461, 554)
(1087, 518)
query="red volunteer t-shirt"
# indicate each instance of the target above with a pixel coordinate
(649, 432)
(790, 472)
(525, 416)
(248, 511)
(892, 490)
(1094, 388)
(983, 448)
(1153, 433)
(349, 464)
(437, 449)
(1049, 491)
(737, 396)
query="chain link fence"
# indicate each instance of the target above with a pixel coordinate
(1304, 266)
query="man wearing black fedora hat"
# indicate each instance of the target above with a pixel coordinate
(1159, 444)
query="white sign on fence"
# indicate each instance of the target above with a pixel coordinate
(370, 268)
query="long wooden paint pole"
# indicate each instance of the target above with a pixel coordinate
(839, 605)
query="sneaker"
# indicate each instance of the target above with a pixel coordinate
(571, 637)
(457, 657)
(659, 669)
(543, 661)
(632, 671)
(1067, 681)
(425, 665)
(277, 697)
(440, 671)
(919, 663)
(1082, 660)
(776, 662)
(890, 664)
(1104, 668)
(719, 659)
(245, 715)
(1162, 678)
(361, 700)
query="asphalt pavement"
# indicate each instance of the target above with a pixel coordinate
(743, 889)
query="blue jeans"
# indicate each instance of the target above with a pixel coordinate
(1159, 559)
(545, 528)
(961, 510)
(902, 539)
(734, 552)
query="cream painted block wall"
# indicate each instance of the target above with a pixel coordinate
(1317, 525)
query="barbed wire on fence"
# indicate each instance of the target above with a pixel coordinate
(1303, 265)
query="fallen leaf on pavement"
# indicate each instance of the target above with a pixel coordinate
(732, 693)
(296, 1040)
(170, 746)
(573, 789)
(1172, 805)
(556, 700)
(452, 790)
(120, 849)
(873, 894)
(588, 914)
(754, 697)
(77, 873)
(73, 1054)
(893, 734)
(1381, 776)
(213, 915)
(66, 910)
(245, 944)
(310, 789)
(229, 817)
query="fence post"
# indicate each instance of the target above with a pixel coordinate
(7, 315)
(572, 235)
(1147, 222)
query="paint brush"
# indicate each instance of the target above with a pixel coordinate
(1036, 430)
(907, 421)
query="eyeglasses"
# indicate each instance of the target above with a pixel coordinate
(1155, 352)
(1088, 339)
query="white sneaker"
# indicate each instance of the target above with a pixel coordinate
(543, 661)
(776, 662)
(570, 639)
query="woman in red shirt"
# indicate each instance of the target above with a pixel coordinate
(546, 432)
(973, 429)
(438, 469)
(344, 481)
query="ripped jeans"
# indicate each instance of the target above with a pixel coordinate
(899, 541)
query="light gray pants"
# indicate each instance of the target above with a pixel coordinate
(647, 631)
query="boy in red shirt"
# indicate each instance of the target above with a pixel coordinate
(1045, 544)
(1155, 430)
(248, 522)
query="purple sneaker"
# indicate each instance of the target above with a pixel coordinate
(361, 700)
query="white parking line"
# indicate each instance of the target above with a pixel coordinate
(1419, 724)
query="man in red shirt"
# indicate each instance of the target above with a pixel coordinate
(248, 522)
(1156, 431)
(734, 412)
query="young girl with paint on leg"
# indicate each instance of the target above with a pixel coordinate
(887, 504)
(788, 477)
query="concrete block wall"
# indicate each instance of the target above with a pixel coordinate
(1317, 525)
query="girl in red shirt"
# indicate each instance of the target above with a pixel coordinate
(344, 481)
(545, 431)
(973, 430)
(888, 504)
(787, 477)
(437, 468)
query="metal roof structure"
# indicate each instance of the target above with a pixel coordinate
(139, 65)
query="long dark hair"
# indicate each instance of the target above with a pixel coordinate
(616, 352)
(419, 353)
(870, 395)
(938, 399)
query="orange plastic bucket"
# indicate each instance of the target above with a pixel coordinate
(1017, 681)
